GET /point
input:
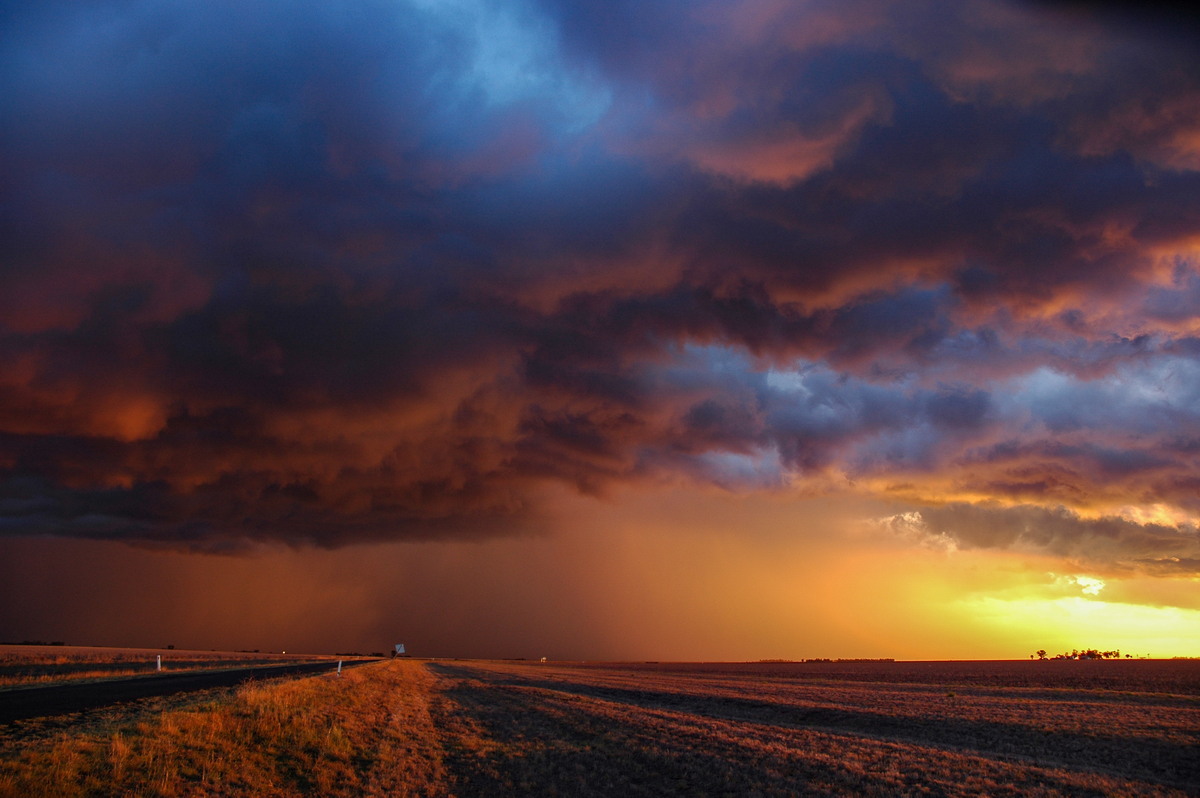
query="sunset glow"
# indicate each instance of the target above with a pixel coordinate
(646, 330)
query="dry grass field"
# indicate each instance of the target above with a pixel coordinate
(26, 665)
(444, 728)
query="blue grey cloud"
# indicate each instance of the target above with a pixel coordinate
(316, 273)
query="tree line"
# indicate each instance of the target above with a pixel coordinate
(1088, 653)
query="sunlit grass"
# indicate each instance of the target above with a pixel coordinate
(367, 732)
(410, 728)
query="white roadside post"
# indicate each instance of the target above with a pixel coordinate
(339, 668)
(160, 662)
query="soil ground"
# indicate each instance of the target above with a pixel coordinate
(466, 728)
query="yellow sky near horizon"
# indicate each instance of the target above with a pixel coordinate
(668, 575)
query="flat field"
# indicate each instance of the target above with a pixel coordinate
(27, 665)
(442, 728)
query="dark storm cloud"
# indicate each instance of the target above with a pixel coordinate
(1061, 531)
(1155, 16)
(324, 274)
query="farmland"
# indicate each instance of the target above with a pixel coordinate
(408, 727)
(35, 665)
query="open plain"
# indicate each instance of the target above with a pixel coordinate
(36, 665)
(449, 727)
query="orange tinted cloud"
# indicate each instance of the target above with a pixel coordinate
(377, 281)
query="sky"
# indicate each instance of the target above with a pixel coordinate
(683, 329)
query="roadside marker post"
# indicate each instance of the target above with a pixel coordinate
(160, 662)
(339, 668)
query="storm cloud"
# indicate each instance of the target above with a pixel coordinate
(326, 274)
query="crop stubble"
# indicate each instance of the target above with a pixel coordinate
(29, 665)
(740, 728)
(481, 728)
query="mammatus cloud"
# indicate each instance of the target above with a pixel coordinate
(385, 271)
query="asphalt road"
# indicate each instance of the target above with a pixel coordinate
(58, 699)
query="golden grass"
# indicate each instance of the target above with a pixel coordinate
(22, 665)
(410, 728)
(366, 733)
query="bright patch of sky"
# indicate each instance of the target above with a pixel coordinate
(1071, 621)
(788, 381)
(1089, 585)
(515, 57)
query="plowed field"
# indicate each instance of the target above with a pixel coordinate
(502, 728)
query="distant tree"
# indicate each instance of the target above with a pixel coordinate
(1087, 653)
